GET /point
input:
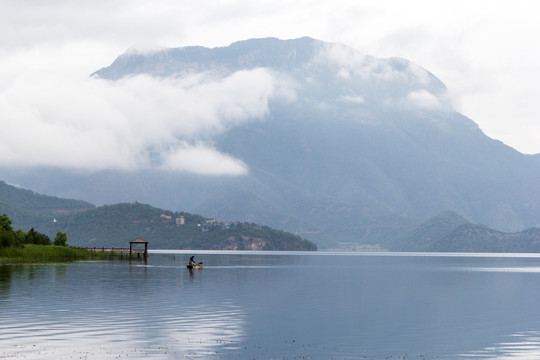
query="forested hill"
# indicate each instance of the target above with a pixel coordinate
(34, 202)
(28, 209)
(116, 225)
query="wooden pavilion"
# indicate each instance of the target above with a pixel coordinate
(138, 241)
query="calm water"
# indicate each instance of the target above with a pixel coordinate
(274, 306)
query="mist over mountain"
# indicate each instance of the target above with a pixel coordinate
(318, 139)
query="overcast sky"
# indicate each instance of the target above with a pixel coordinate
(486, 52)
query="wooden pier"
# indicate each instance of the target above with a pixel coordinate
(120, 250)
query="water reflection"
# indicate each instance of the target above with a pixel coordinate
(518, 269)
(106, 310)
(5, 277)
(520, 346)
(273, 306)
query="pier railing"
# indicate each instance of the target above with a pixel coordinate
(118, 250)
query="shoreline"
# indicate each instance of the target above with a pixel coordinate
(29, 254)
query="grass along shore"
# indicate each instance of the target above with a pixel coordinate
(49, 253)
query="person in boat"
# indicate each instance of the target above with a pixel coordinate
(193, 265)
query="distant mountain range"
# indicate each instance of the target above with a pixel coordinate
(364, 152)
(115, 225)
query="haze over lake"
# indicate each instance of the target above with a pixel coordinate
(245, 305)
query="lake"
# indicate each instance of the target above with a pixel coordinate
(275, 305)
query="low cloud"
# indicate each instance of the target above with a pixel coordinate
(204, 160)
(137, 122)
(425, 100)
(382, 80)
(347, 62)
(356, 99)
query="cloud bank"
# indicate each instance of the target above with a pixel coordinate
(135, 123)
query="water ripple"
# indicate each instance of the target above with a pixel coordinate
(272, 306)
(523, 346)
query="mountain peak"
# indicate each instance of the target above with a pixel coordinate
(429, 232)
(257, 52)
(318, 68)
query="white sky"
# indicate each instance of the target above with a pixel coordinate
(486, 52)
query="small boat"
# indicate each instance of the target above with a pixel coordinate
(193, 265)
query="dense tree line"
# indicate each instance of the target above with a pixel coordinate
(12, 237)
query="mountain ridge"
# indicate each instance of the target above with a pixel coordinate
(192, 56)
(365, 150)
(449, 232)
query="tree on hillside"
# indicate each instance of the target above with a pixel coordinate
(10, 237)
(60, 239)
(7, 236)
(34, 237)
(5, 223)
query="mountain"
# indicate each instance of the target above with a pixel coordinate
(426, 236)
(115, 225)
(449, 232)
(27, 208)
(360, 151)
